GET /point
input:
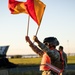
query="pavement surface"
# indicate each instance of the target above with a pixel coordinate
(36, 68)
(71, 67)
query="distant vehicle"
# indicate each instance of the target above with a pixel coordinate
(3, 50)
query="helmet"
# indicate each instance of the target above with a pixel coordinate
(51, 40)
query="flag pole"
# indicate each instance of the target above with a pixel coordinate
(37, 30)
(28, 25)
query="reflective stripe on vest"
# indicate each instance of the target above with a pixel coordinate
(45, 59)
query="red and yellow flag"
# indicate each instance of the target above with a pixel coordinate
(17, 7)
(36, 9)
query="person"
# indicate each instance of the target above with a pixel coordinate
(64, 58)
(47, 50)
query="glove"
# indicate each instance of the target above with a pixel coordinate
(35, 39)
(27, 39)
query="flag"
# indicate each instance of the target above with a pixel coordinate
(17, 7)
(35, 9)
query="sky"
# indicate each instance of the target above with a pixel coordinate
(58, 21)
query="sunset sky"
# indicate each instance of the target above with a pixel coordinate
(58, 21)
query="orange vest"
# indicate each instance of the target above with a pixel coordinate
(45, 59)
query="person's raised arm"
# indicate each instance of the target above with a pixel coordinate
(52, 53)
(40, 44)
(34, 47)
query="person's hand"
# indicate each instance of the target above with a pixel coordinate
(35, 38)
(27, 38)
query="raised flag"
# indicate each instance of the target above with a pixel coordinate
(17, 7)
(36, 9)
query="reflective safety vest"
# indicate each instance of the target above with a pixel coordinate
(45, 59)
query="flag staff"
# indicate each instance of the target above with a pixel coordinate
(28, 24)
(37, 30)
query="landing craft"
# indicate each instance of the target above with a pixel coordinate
(4, 62)
(3, 50)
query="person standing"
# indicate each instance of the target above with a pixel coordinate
(64, 58)
(47, 50)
